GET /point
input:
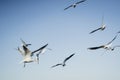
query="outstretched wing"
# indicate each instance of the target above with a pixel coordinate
(94, 30)
(56, 65)
(22, 53)
(81, 1)
(44, 46)
(68, 57)
(40, 48)
(94, 48)
(112, 39)
(26, 50)
(68, 7)
(24, 43)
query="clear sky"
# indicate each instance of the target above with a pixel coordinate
(44, 21)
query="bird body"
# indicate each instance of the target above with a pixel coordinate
(106, 46)
(63, 64)
(27, 55)
(75, 4)
(103, 26)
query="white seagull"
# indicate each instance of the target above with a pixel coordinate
(63, 64)
(27, 55)
(24, 43)
(106, 46)
(103, 26)
(75, 4)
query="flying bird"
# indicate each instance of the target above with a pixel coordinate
(106, 46)
(27, 55)
(103, 26)
(24, 43)
(63, 64)
(75, 4)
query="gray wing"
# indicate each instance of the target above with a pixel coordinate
(44, 46)
(94, 30)
(68, 57)
(68, 7)
(81, 1)
(94, 48)
(112, 39)
(56, 65)
(24, 43)
(40, 48)
(26, 50)
(22, 53)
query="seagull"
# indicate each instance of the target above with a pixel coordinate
(41, 51)
(106, 46)
(103, 26)
(75, 4)
(63, 64)
(23, 43)
(27, 55)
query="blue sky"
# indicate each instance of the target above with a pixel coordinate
(44, 21)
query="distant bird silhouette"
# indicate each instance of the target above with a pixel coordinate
(103, 26)
(27, 55)
(75, 4)
(23, 43)
(106, 46)
(63, 64)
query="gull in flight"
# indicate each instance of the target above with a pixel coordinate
(106, 46)
(63, 64)
(27, 55)
(103, 26)
(75, 4)
(24, 43)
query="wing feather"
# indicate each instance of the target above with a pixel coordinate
(26, 50)
(40, 48)
(94, 48)
(68, 57)
(94, 30)
(112, 40)
(56, 65)
(81, 1)
(68, 7)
